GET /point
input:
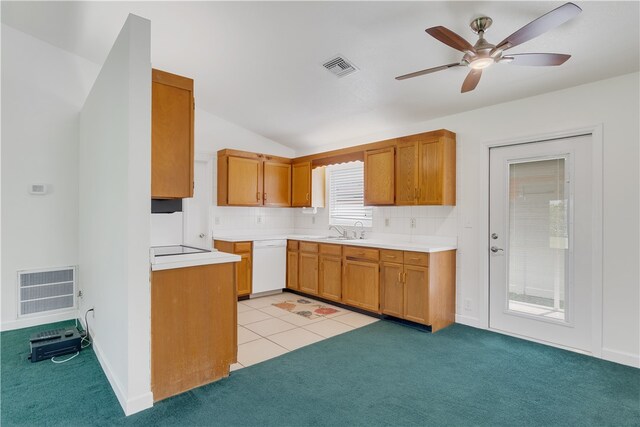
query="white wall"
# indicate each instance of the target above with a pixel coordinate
(214, 133)
(43, 89)
(614, 103)
(114, 201)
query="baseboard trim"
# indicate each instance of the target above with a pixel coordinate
(129, 406)
(40, 320)
(469, 321)
(621, 357)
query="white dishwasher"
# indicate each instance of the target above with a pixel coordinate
(269, 265)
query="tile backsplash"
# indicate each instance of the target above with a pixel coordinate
(245, 219)
(397, 220)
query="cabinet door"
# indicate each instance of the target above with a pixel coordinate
(430, 172)
(301, 184)
(171, 136)
(406, 173)
(292, 269)
(330, 278)
(392, 289)
(277, 184)
(360, 284)
(244, 181)
(379, 177)
(243, 273)
(416, 294)
(308, 274)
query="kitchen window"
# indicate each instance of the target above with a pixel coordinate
(346, 195)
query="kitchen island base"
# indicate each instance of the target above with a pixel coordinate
(193, 327)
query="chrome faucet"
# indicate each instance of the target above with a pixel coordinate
(340, 230)
(361, 229)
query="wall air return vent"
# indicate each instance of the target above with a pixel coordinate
(46, 291)
(340, 66)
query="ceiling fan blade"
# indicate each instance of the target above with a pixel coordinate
(450, 38)
(471, 81)
(536, 59)
(541, 25)
(427, 71)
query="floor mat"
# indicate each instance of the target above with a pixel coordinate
(308, 308)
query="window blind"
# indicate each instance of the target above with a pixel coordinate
(346, 195)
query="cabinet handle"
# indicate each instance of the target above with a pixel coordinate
(264, 196)
(258, 196)
(307, 197)
(404, 277)
(399, 276)
(415, 193)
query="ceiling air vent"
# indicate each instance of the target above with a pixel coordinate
(340, 66)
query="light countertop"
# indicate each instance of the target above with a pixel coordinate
(190, 260)
(425, 244)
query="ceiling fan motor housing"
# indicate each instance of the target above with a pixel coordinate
(480, 24)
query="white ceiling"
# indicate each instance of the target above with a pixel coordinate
(259, 64)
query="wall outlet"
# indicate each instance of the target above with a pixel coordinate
(412, 222)
(467, 304)
(386, 222)
(259, 219)
(216, 220)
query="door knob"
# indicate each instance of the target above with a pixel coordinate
(494, 236)
(495, 249)
(201, 235)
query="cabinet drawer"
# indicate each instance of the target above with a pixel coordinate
(308, 247)
(416, 258)
(361, 253)
(391, 256)
(242, 247)
(335, 250)
(292, 245)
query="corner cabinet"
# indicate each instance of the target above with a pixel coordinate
(425, 169)
(172, 153)
(251, 179)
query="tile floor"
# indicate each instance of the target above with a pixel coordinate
(266, 331)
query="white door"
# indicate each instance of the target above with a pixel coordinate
(540, 241)
(197, 231)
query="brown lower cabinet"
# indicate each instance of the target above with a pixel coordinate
(330, 277)
(421, 288)
(360, 284)
(193, 327)
(415, 286)
(244, 268)
(308, 273)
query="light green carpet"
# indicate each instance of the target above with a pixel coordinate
(382, 374)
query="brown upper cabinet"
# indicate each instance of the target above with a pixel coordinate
(172, 113)
(426, 170)
(250, 179)
(277, 183)
(301, 184)
(379, 176)
(411, 170)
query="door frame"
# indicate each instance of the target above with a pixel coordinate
(208, 158)
(596, 133)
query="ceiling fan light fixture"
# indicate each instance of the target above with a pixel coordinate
(480, 63)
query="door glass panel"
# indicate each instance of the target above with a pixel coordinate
(538, 238)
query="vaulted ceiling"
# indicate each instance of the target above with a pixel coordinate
(259, 64)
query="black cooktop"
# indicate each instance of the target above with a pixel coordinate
(177, 250)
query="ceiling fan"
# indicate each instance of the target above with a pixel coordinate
(484, 54)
